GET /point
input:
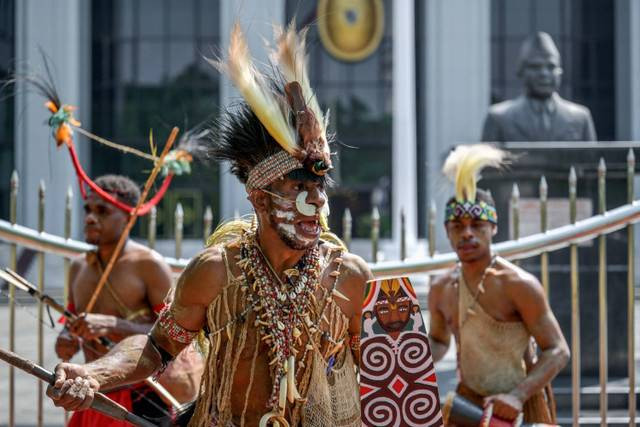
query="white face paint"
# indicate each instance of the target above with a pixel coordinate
(284, 215)
(289, 230)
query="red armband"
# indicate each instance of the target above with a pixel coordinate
(173, 330)
(158, 307)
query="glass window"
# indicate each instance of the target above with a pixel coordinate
(7, 53)
(584, 33)
(359, 97)
(148, 74)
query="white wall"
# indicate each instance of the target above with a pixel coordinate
(61, 28)
(256, 18)
(457, 89)
(404, 177)
(627, 24)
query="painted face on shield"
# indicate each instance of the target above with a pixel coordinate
(296, 210)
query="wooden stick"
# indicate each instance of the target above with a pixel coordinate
(115, 145)
(132, 220)
(101, 403)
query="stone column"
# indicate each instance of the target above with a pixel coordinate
(404, 177)
(256, 18)
(627, 24)
(457, 89)
(61, 28)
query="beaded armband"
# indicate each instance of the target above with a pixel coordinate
(173, 329)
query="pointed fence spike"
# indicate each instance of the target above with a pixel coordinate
(375, 214)
(151, 231)
(347, 222)
(208, 223)
(573, 190)
(602, 167)
(515, 192)
(431, 230)
(544, 188)
(375, 233)
(573, 178)
(602, 186)
(14, 178)
(179, 221)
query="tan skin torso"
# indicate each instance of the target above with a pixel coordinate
(125, 280)
(261, 385)
(492, 301)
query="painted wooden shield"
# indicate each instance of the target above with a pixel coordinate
(397, 377)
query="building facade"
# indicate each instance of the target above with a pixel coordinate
(132, 66)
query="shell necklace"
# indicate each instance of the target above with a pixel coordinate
(281, 308)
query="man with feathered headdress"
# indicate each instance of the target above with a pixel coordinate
(491, 306)
(279, 299)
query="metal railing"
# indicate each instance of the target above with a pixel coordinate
(540, 244)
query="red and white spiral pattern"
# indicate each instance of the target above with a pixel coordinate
(414, 354)
(421, 408)
(378, 360)
(381, 411)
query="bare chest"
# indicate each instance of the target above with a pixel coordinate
(125, 290)
(492, 301)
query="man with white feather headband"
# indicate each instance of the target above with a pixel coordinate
(276, 298)
(494, 308)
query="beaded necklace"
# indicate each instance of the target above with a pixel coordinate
(281, 308)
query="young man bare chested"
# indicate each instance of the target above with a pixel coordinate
(128, 304)
(278, 299)
(492, 307)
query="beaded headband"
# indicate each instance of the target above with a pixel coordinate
(271, 169)
(467, 209)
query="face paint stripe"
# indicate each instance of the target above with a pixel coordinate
(286, 215)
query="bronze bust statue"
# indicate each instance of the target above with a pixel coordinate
(540, 114)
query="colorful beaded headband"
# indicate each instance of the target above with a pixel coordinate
(475, 210)
(270, 169)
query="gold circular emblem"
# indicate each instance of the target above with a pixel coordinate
(350, 30)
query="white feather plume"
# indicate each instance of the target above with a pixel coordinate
(464, 164)
(290, 56)
(270, 109)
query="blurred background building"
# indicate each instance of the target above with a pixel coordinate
(423, 83)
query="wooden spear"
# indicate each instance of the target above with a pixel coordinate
(101, 403)
(20, 282)
(132, 219)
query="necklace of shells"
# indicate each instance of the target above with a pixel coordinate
(282, 311)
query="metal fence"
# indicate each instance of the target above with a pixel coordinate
(541, 244)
